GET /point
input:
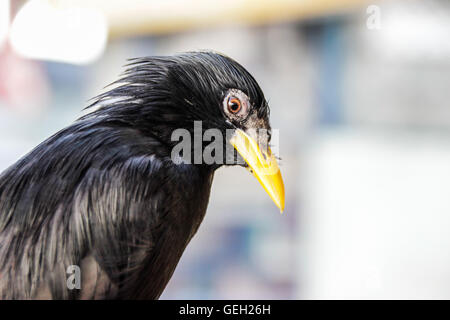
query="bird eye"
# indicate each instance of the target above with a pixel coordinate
(234, 105)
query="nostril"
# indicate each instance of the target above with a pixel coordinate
(264, 155)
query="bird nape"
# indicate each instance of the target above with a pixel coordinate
(106, 198)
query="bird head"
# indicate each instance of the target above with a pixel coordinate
(199, 95)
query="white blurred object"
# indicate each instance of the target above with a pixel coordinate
(71, 34)
(414, 30)
(4, 20)
(376, 220)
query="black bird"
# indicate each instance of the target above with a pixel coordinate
(106, 193)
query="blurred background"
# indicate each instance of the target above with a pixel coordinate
(359, 90)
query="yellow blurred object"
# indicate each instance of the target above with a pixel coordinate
(131, 17)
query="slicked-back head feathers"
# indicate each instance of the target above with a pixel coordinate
(159, 94)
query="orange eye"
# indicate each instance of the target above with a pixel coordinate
(234, 105)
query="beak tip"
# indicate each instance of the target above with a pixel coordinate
(281, 207)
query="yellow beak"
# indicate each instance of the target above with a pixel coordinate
(263, 165)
